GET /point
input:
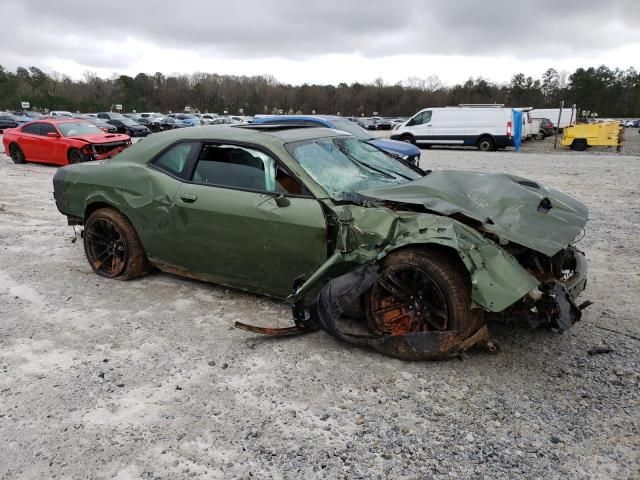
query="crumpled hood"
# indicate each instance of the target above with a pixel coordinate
(98, 138)
(514, 208)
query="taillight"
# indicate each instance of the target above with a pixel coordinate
(105, 129)
(509, 128)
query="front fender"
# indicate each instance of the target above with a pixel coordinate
(367, 235)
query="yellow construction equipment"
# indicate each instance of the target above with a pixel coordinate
(583, 135)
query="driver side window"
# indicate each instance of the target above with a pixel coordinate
(421, 118)
(244, 168)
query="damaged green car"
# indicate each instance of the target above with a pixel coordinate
(423, 259)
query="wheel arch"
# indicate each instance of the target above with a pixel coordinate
(97, 204)
(431, 247)
(486, 135)
(496, 279)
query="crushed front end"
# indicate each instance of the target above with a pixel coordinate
(553, 302)
(103, 151)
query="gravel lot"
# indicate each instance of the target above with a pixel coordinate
(148, 378)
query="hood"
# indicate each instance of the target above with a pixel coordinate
(513, 208)
(97, 138)
(403, 148)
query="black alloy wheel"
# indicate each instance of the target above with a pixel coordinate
(15, 152)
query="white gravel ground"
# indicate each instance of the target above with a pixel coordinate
(148, 378)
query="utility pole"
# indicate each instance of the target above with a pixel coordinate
(555, 141)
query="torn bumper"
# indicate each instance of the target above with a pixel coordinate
(577, 282)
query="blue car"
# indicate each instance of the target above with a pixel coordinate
(187, 119)
(403, 151)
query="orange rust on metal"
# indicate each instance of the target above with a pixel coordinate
(274, 332)
(396, 319)
(480, 337)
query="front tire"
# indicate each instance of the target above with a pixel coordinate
(112, 246)
(408, 139)
(16, 154)
(421, 290)
(76, 156)
(539, 136)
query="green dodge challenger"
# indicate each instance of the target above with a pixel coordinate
(412, 263)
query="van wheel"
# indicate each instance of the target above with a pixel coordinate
(579, 145)
(408, 138)
(539, 136)
(485, 144)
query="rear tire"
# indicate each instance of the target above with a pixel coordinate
(486, 144)
(396, 306)
(16, 154)
(539, 136)
(579, 145)
(113, 247)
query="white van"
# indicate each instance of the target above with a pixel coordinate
(486, 127)
(568, 117)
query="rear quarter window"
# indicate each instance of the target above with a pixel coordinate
(32, 128)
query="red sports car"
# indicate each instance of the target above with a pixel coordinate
(61, 142)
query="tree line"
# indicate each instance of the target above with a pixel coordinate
(610, 92)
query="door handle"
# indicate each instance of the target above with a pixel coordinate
(188, 197)
(429, 125)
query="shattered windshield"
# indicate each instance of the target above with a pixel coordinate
(344, 165)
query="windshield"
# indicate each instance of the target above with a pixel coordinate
(351, 128)
(71, 129)
(33, 114)
(344, 165)
(128, 122)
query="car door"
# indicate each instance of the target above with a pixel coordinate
(47, 148)
(420, 126)
(240, 226)
(29, 140)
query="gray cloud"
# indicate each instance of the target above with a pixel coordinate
(302, 29)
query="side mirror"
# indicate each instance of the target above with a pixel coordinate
(53, 134)
(282, 201)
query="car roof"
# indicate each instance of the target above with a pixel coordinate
(57, 120)
(268, 136)
(324, 118)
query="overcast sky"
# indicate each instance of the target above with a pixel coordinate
(327, 41)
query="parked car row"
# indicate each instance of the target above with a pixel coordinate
(375, 123)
